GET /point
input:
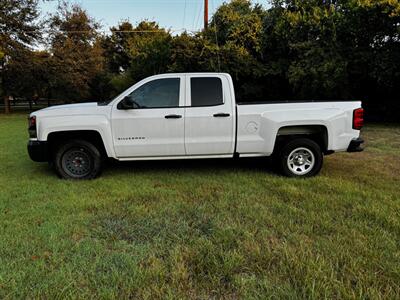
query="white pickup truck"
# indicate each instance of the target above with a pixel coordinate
(192, 116)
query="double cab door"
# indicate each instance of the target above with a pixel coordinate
(175, 115)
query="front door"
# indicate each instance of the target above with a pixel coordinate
(155, 126)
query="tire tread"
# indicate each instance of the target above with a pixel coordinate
(296, 143)
(92, 149)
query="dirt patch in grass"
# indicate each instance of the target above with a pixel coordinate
(167, 226)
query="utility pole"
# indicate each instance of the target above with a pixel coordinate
(205, 14)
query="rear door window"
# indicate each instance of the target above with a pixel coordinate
(206, 91)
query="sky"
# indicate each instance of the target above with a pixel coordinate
(175, 15)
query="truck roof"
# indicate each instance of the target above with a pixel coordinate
(192, 73)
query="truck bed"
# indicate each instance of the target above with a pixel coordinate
(259, 123)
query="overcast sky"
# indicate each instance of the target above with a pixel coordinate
(171, 14)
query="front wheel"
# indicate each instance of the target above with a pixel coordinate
(301, 158)
(78, 159)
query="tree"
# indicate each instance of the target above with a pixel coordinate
(240, 23)
(77, 54)
(370, 33)
(18, 30)
(116, 47)
(232, 43)
(317, 67)
(346, 49)
(28, 74)
(149, 52)
(186, 53)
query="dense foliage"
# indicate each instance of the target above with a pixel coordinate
(309, 49)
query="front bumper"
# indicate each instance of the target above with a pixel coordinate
(355, 145)
(38, 151)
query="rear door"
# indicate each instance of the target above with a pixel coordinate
(209, 115)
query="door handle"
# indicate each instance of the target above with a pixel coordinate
(221, 115)
(173, 116)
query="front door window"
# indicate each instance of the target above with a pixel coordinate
(159, 93)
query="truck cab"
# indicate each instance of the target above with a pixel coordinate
(175, 116)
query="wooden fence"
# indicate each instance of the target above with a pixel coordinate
(23, 104)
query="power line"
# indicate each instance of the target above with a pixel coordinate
(185, 2)
(198, 16)
(112, 31)
(184, 15)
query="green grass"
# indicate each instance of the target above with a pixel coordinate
(201, 229)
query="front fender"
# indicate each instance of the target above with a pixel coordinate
(98, 123)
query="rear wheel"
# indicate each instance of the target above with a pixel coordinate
(300, 158)
(78, 159)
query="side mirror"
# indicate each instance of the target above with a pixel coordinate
(125, 104)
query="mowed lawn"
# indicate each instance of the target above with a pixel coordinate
(201, 229)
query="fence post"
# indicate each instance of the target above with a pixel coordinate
(7, 104)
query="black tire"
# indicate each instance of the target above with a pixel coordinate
(300, 158)
(78, 159)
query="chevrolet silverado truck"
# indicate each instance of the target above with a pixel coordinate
(192, 116)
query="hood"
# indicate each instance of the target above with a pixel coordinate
(70, 106)
(90, 108)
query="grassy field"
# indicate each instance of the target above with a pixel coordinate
(201, 229)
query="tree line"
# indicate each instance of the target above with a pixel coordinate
(294, 49)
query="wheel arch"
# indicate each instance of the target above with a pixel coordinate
(316, 133)
(55, 138)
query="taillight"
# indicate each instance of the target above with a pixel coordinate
(358, 118)
(32, 122)
(32, 127)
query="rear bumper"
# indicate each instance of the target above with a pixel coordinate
(38, 151)
(355, 145)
